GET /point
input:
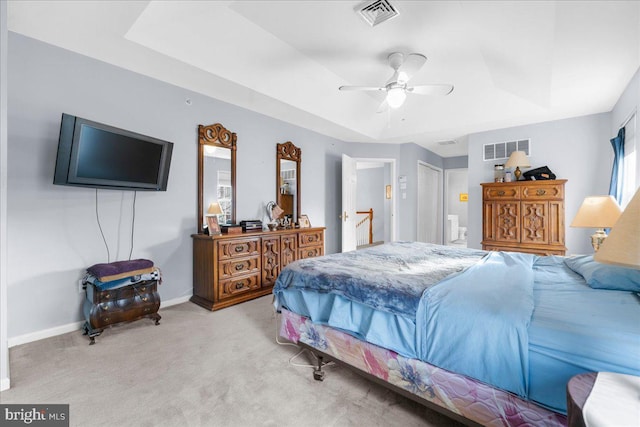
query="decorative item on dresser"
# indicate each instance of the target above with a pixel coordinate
(229, 269)
(524, 216)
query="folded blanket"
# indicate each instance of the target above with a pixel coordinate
(120, 269)
(118, 283)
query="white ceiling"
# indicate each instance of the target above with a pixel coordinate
(511, 63)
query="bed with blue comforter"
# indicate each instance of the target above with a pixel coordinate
(519, 322)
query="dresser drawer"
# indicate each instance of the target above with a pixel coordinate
(501, 192)
(310, 252)
(310, 238)
(232, 287)
(238, 267)
(123, 309)
(97, 296)
(237, 248)
(543, 191)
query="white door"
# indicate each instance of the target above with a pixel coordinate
(349, 186)
(429, 227)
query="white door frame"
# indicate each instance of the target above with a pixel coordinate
(394, 191)
(439, 210)
(445, 205)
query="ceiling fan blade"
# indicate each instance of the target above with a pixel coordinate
(383, 107)
(412, 63)
(371, 88)
(437, 89)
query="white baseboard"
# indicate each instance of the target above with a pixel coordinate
(5, 384)
(72, 327)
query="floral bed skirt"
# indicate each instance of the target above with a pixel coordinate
(471, 399)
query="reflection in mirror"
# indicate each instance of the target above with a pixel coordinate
(288, 160)
(216, 183)
(216, 176)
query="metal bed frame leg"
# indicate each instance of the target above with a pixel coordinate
(318, 373)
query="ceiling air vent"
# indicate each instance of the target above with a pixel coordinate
(378, 11)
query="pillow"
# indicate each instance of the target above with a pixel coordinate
(605, 276)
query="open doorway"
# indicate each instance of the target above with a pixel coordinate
(456, 196)
(374, 202)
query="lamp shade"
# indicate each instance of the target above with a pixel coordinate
(517, 159)
(396, 97)
(214, 209)
(597, 212)
(622, 247)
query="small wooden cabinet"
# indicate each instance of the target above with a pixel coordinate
(229, 269)
(103, 308)
(524, 216)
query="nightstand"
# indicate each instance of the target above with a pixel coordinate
(611, 398)
(578, 389)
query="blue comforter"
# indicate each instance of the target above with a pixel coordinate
(390, 277)
(476, 323)
(471, 308)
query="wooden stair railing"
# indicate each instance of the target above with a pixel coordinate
(361, 232)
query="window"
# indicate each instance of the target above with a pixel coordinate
(631, 178)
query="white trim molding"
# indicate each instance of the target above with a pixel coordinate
(74, 326)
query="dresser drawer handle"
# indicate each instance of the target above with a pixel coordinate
(501, 193)
(105, 306)
(239, 267)
(144, 288)
(312, 238)
(310, 253)
(107, 296)
(240, 285)
(541, 192)
(145, 299)
(239, 248)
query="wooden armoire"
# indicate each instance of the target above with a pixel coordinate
(524, 216)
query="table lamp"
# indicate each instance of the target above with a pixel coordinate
(516, 160)
(622, 247)
(597, 212)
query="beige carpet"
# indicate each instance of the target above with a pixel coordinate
(199, 368)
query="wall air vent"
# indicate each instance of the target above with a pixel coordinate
(377, 11)
(502, 150)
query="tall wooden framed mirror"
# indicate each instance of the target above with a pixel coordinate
(216, 174)
(288, 161)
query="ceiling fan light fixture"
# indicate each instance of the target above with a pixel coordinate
(396, 97)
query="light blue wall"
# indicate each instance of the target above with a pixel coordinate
(575, 149)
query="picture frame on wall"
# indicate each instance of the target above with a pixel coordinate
(304, 222)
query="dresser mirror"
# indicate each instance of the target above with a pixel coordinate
(288, 160)
(216, 175)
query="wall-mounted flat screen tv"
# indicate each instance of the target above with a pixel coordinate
(96, 155)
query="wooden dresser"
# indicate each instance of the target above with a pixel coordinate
(524, 216)
(232, 268)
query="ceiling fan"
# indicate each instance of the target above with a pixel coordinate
(404, 66)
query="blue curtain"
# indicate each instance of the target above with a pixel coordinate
(615, 188)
